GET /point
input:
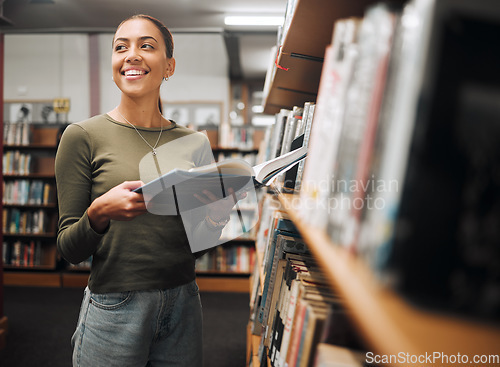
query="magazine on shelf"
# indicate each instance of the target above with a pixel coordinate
(179, 187)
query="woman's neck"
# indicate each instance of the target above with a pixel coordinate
(144, 114)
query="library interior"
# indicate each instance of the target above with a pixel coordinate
(362, 235)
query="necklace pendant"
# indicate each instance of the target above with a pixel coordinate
(154, 152)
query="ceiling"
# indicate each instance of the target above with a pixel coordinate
(248, 48)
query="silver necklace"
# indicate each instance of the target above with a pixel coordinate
(153, 148)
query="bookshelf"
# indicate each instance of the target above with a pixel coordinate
(388, 322)
(296, 71)
(3, 318)
(405, 327)
(29, 202)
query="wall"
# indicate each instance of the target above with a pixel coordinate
(47, 66)
(43, 66)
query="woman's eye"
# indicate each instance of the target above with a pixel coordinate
(147, 46)
(119, 48)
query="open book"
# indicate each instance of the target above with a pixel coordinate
(178, 187)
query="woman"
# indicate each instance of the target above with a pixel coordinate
(141, 306)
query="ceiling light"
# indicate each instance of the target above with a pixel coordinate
(254, 20)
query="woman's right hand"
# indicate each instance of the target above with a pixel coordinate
(119, 203)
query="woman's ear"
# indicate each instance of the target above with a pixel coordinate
(170, 67)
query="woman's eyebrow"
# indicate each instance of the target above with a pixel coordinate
(143, 38)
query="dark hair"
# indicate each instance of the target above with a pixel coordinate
(167, 36)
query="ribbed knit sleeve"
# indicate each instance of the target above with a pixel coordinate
(76, 240)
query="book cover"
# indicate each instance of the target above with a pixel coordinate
(397, 124)
(327, 125)
(385, 22)
(362, 103)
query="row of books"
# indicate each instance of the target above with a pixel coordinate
(238, 137)
(17, 133)
(230, 258)
(32, 192)
(396, 172)
(291, 130)
(351, 169)
(21, 253)
(17, 221)
(16, 162)
(293, 308)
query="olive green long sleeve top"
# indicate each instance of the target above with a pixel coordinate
(148, 252)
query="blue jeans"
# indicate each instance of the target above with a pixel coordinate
(140, 328)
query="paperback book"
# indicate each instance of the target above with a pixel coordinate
(179, 187)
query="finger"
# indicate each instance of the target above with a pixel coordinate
(137, 196)
(210, 195)
(139, 199)
(132, 185)
(231, 192)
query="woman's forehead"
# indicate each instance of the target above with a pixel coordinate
(138, 27)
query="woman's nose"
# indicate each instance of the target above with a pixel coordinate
(133, 56)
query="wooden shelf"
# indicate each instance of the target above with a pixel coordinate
(30, 235)
(74, 279)
(30, 146)
(29, 268)
(255, 340)
(31, 206)
(222, 273)
(311, 28)
(220, 284)
(301, 54)
(388, 323)
(206, 284)
(32, 279)
(47, 176)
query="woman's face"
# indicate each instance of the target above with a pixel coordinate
(139, 58)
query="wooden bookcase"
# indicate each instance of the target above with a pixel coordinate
(388, 323)
(31, 240)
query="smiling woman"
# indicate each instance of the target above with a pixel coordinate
(142, 58)
(141, 306)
